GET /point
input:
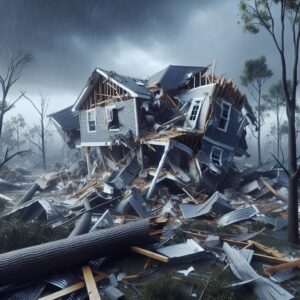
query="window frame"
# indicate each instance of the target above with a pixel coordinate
(107, 108)
(227, 119)
(220, 150)
(93, 110)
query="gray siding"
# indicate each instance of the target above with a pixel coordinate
(229, 137)
(126, 116)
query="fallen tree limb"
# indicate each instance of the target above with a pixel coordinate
(54, 257)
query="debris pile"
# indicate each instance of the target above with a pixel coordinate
(159, 188)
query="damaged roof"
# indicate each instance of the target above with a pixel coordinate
(174, 76)
(66, 119)
(133, 84)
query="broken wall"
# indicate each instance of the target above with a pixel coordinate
(102, 135)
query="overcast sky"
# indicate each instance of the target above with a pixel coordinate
(69, 38)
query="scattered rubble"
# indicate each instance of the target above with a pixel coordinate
(159, 186)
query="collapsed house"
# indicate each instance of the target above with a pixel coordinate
(151, 147)
(183, 118)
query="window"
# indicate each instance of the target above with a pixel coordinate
(224, 117)
(194, 112)
(216, 156)
(112, 118)
(91, 116)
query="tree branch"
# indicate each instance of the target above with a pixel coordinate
(8, 158)
(281, 165)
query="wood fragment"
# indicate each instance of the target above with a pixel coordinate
(268, 250)
(150, 254)
(292, 264)
(73, 288)
(131, 277)
(90, 283)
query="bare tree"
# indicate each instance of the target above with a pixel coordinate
(254, 76)
(7, 80)
(257, 14)
(7, 157)
(42, 128)
(274, 102)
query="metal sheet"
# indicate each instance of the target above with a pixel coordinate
(126, 175)
(216, 203)
(36, 209)
(30, 293)
(180, 250)
(263, 288)
(238, 215)
(62, 281)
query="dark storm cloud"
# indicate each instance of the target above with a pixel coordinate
(66, 37)
(69, 38)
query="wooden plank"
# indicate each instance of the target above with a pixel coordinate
(292, 264)
(72, 288)
(150, 254)
(90, 283)
(268, 250)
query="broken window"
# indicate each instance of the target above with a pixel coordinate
(224, 117)
(112, 118)
(91, 116)
(216, 156)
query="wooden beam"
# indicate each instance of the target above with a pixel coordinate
(90, 283)
(72, 288)
(292, 264)
(150, 254)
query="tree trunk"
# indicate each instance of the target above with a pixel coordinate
(293, 234)
(259, 127)
(1, 123)
(278, 129)
(43, 145)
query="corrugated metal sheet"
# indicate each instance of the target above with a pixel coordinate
(216, 203)
(39, 209)
(30, 293)
(238, 215)
(62, 281)
(264, 289)
(188, 249)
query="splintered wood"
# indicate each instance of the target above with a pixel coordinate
(88, 189)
